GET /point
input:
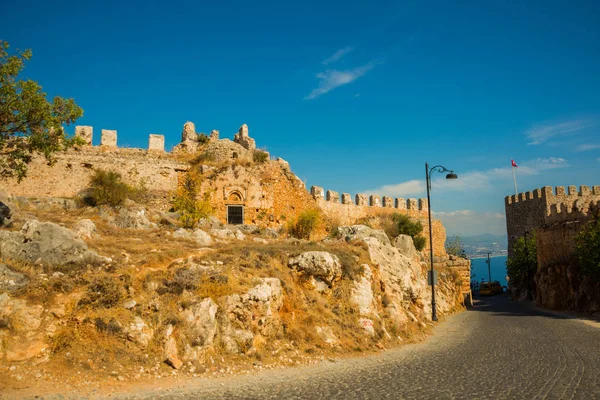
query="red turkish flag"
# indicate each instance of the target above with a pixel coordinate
(514, 164)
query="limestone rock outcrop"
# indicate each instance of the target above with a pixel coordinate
(128, 217)
(11, 280)
(201, 319)
(47, 243)
(406, 246)
(253, 313)
(85, 229)
(357, 232)
(198, 235)
(319, 265)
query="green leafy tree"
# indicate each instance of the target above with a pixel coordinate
(588, 247)
(29, 123)
(523, 261)
(455, 247)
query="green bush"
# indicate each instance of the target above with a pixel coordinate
(260, 156)
(588, 247)
(107, 187)
(305, 224)
(419, 242)
(187, 204)
(400, 224)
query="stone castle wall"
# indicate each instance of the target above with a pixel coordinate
(557, 216)
(270, 192)
(559, 283)
(71, 172)
(531, 210)
(348, 212)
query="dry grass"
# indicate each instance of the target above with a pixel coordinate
(143, 268)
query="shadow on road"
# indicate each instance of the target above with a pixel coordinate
(501, 305)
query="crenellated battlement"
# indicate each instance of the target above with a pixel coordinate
(362, 200)
(579, 211)
(108, 138)
(530, 210)
(559, 194)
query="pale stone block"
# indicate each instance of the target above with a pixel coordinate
(346, 198)
(423, 205)
(388, 201)
(584, 190)
(400, 203)
(317, 192)
(375, 201)
(156, 142)
(189, 132)
(108, 138)
(412, 204)
(86, 133)
(361, 200)
(333, 196)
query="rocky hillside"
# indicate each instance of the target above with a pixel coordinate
(90, 295)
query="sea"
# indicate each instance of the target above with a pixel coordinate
(479, 269)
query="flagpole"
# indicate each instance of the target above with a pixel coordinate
(514, 180)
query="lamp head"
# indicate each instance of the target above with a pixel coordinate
(451, 175)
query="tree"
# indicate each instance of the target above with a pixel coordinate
(29, 123)
(521, 265)
(588, 247)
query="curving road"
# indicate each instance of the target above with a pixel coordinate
(498, 350)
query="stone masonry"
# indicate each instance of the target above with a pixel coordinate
(156, 143)
(243, 139)
(86, 133)
(108, 138)
(528, 211)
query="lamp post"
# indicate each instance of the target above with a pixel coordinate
(450, 175)
(489, 268)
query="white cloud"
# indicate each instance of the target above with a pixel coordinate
(471, 180)
(587, 146)
(541, 133)
(333, 78)
(338, 55)
(469, 222)
(403, 189)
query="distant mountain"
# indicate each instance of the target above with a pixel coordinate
(479, 245)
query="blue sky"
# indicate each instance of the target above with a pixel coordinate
(357, 96)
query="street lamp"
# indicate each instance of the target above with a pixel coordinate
(450, 175)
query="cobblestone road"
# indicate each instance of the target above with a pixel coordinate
(498, 350)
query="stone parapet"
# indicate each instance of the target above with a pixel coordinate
(108, 138)
(531, 210)
(86, 133)
(156, 142)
